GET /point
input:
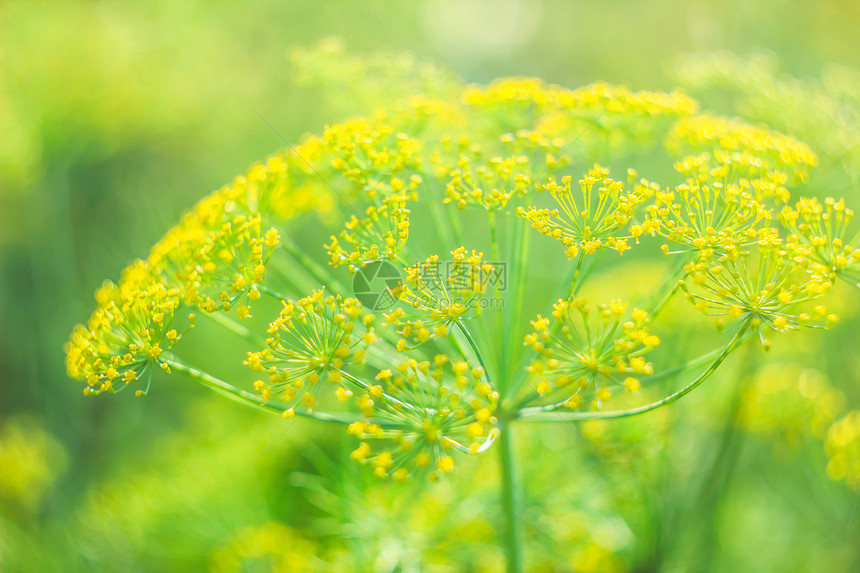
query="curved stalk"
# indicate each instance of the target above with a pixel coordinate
(319, 273)
(541, 414)
(473, 346)
(236, 328)
(252, 400)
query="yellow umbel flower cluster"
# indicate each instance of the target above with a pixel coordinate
(490, 186)
(312, 339)
(437, 294)
(600, 118)
(774, 151)
(379, 235)
(819, 234)
(365, 152)
(709, 212)
(433, 408)
(126, 334)
(597, 216)
(214, 260)
(585, 353)
(599, 97)
(764, 292)
(228, 266)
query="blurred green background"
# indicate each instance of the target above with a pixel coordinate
(116, 117)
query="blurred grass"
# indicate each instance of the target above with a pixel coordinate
(115, 117)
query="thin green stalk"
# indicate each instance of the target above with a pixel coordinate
(545, 414)
(658, 377)
(319, 273)
(676, 285)
(692, 363)
(454, 223)
(664, 302)
(519, 292)
(250, 399)
(499, 311)
(236, 328)
(511, 501)
(272, 293)
(572, 287)
(282, 270)
(473, 346)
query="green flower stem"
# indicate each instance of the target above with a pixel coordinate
(250, 399)
(511, 500)
(675, 283)
(514, 326)
(511, 488)
(236, 328)
(499, 311)
(382, 353)
(366, 386)
(692, 363)
(473, 346)
(282, 270)
(494, 236)
(318, 272)
(658, 377)
(453, 219)
(546, 413)
(574, 281)
(664, 302)
(272, 293)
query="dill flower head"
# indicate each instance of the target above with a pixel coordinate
(765, 290)
(437, 294)
(590, 218)
(819, 235)
(586, 353)
(710, 210)
(127, 334)
(774, 151)
(380, 234)
(491, 185)
(309, 343)
(420, 413)
(364, 152)
(619, 114)
(226, 269)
